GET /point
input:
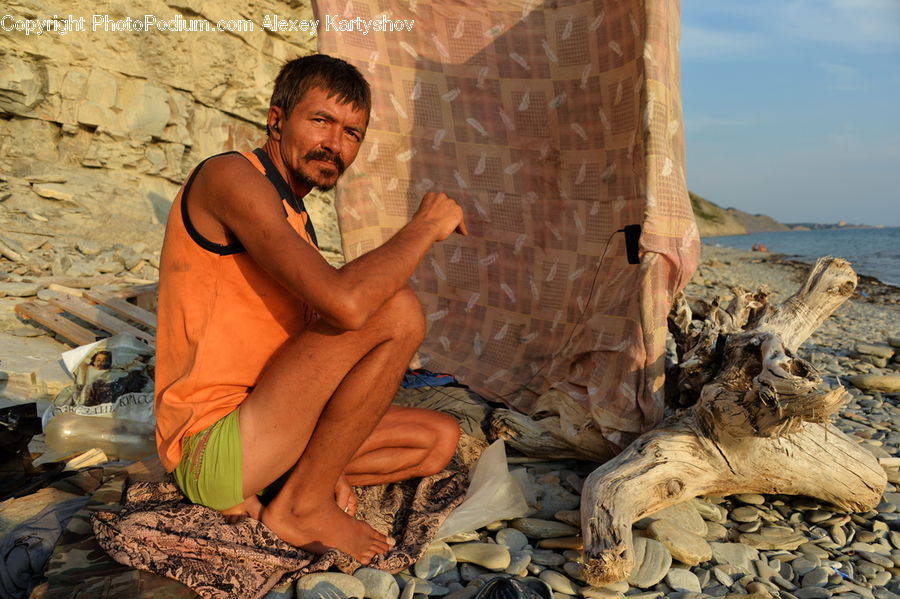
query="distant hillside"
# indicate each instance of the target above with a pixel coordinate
(757, 223)
(713, 220)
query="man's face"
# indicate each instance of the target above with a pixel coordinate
(320, 138)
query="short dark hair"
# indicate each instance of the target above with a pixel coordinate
(337, 77)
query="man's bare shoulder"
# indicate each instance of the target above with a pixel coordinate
(230, 185)
(230, 175)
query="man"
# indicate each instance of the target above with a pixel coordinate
(273, 364)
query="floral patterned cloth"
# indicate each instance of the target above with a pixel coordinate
(555, 125)
(158, 530)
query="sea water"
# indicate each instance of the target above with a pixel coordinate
(873, 252)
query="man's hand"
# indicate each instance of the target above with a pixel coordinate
(442, 214)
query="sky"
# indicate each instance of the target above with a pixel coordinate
(792, 107)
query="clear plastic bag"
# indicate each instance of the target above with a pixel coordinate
(494, 494)
(109, 404)
(70, 433)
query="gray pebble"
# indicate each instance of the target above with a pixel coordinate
(876, 558)
(703, 576)
(488, 555)
(600, 593)
(816, 516)
(868, 569)
(812, 593)
(750, 526)
(813, 550)
(764, 570)
(684, 515)
(784, 583)
(329, 585)
(716, 590)
(558, 582)
(447, 578)
(574, 570)
(536, 528)
(758, 588)
(545, 557)
(437, 559)
(462, 537)
(684, 546)
(518, 562)
(680, 579)
(554, 499)
(425, 587)
(710, 511)
(470, 572)
(652, 562)
(464, 593)
(817, 577)
(715, 531)
(750, 498)
(378, 583)
(774, 537)
(839, 535)
(512, 538)
(745, 514)
(723, 577)
(739, 555)
(802, 565)
(282, 591)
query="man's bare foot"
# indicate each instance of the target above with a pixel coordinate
(249, 508)
(325, 527)
(344, 496)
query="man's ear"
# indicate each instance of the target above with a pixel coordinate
(274, 122)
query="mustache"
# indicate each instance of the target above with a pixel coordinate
(322, 154)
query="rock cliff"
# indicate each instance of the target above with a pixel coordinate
(99, 128)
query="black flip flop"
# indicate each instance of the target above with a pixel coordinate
(507, 586)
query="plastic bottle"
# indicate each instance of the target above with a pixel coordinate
(118, 438)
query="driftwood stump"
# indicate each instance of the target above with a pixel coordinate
(757, 422)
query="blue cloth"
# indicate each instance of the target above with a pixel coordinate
(24, 551)
(425, 378)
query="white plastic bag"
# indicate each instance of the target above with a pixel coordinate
(111, 378)
(493, 495)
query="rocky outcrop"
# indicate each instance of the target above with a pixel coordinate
(102, 124)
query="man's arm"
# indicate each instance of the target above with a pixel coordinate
(239, 198)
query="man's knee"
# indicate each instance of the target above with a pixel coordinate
(405, 317)
(445, 434)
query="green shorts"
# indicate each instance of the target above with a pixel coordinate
(210, 472)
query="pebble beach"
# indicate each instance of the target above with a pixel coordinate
(761, 546)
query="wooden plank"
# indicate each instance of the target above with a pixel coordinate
(123, 307)
(144, 296)
(136, 290)
(53, 320)
(94, 315)
(77, 282)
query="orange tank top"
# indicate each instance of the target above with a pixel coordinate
(220, 319)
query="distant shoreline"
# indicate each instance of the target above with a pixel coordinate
(868, 288)
(796, 228)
